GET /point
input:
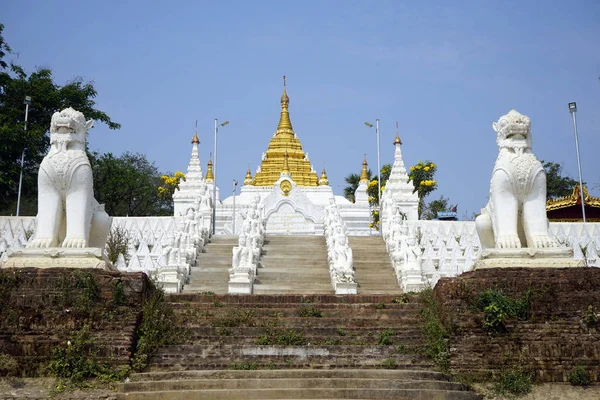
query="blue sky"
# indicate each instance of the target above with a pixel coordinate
(444, 70)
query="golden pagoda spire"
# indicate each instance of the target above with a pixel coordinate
(286, 166)
(364, 177)
(285, 141)
(209, 172)
(323, 181)
(196, 139)
(248, 180)
(285, 125)
(397, 140)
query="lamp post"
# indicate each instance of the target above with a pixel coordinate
(369, 125)
(214, 219)
(27, 101)
(573, 111)
(233, 214)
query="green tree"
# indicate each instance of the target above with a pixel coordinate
(431, 209)
(556, 184)
(353, 180)
(47, 97)
(422, 175)
(128, 185)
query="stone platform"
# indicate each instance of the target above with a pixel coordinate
(553, 257)
(57, 257)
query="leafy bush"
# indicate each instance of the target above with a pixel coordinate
(513, 381)
(385, 337)
(243, 366)
(118, 296)
(403, 299)
(117, 243)
(8, 365)
(437, 335)
(233, 319)
(308, 312)
(158, 327)
(286, 338)
(590, 317)
(77, 361)
(579, 376)
(498, 308)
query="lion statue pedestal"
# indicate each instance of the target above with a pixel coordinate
(71, 226)
(513, 227)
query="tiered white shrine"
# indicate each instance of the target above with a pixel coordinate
(291, 196)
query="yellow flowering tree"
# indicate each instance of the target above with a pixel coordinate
(168, 184)
(373, 192)
(422, 175)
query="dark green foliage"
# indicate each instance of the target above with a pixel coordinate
(579, 376)
(590, 317)
(284, 338)
(10, 279)
(431, 209)
(556, 184)
(8, 365)
(128, 185)
(402, 299)
(76, 360)
(243, 366)
(158, 327)
(385, 337)
(437, 335)
(498, 308)
(308, 312)
(80, 291)
(513, 381)
(233, 319)
(117, 243)
(118, 296)
(353, 180)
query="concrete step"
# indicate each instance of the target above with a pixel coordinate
(264, 394)
(289, 383)
(396, 374)
(295, 384)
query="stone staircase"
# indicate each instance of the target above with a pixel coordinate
(211, 273)
(293, 264)
(295, 347)
(373, 268)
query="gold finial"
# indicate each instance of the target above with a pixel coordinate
(209, 172)
(195, 139)
(323, 181)
(248, 180)
(285, 125)
(397, 140)
(364, 177)
(286, 167)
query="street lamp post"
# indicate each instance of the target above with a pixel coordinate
(378, 159)
(573, 111)
(214, 219)
(27, 101)
(233, 214)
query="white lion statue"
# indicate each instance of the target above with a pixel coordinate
(515, 215)
(68, 215)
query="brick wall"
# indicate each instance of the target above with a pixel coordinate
(41, 308)
(549, 343)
